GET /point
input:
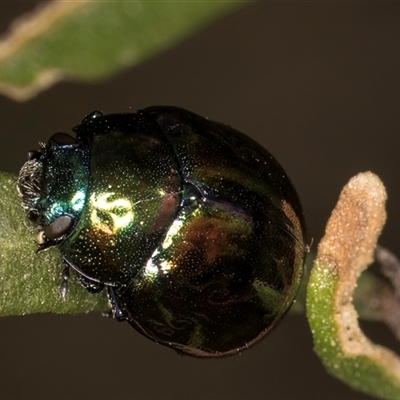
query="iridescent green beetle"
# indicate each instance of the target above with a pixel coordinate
(193, 228)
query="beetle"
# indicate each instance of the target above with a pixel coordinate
(193, 228)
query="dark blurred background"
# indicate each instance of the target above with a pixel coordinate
(317, 84)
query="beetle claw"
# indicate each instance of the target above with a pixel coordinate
(115, 311)
(107, 314)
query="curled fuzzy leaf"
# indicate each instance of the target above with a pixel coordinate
(345, 251)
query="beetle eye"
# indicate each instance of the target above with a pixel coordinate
(58, 227)
(62, 139)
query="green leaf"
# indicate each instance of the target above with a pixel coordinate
(92, 39)
(30, 281)
(344, 252)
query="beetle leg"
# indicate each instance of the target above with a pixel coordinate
(64, 283)
(116, 311)
(89, 285)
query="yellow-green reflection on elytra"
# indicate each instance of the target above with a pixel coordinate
(166, 266)
(151, 270)
(172, 232)
(104, 210)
